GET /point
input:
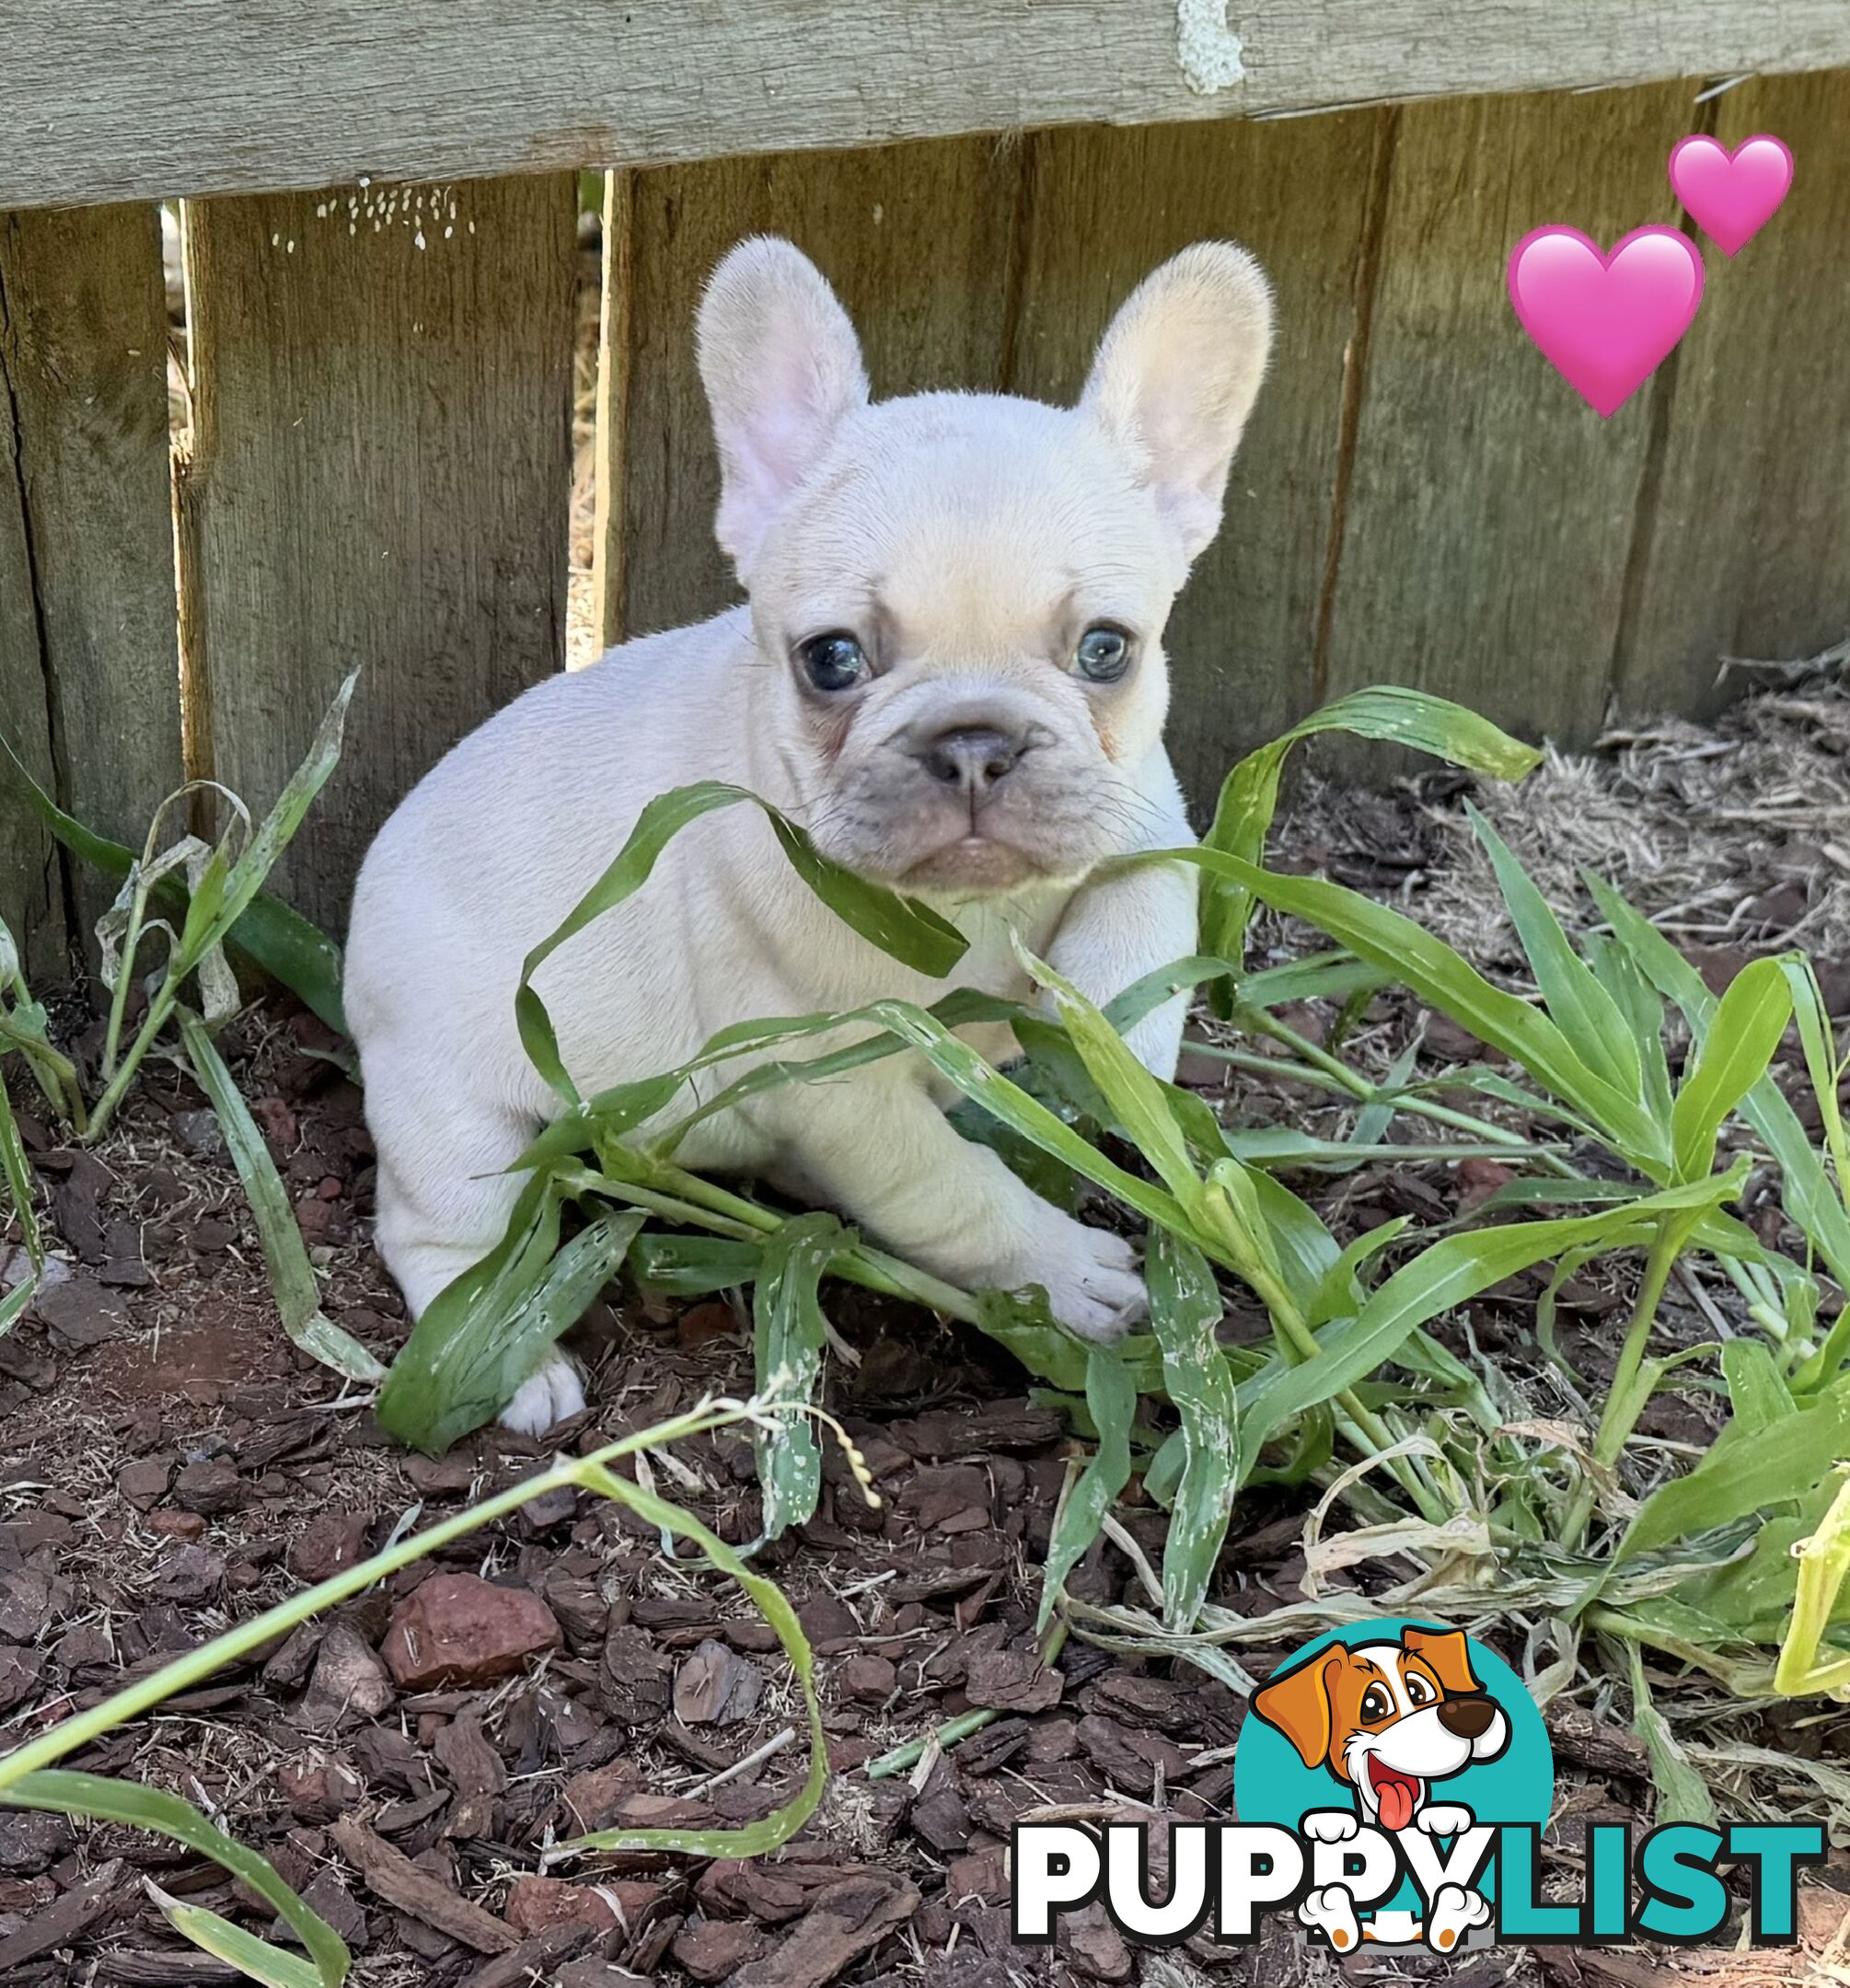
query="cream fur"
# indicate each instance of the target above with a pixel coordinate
(967, 541)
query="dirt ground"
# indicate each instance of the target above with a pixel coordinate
(169, 1466)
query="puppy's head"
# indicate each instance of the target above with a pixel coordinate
(962, 596)
(1388, 1719)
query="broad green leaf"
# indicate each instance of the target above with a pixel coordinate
(912, 932)
(692, 1266)
(487, 1352)
(1336, 976)
(1586, 1013)
(788, 1337)
(1756, 1389)
(1111, 1395)
(1643, 1007)
(292, 1277)
(1770, 1464)
(267, 932)
(1823, 1064)
(215, 1935)
(1249, 796)
(1748, 1022)
(99, 1799)
(1808, 1665)
(1185, 1313)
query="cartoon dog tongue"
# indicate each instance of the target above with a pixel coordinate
(1396, 1793)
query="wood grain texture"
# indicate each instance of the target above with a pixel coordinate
(116, 99)
(1747, 551)
(1490, 509)
(88, 665)
(380, 481)
(916, 240)
(1102, 209)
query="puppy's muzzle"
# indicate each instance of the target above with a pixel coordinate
(971, 759)
(1466, 1719)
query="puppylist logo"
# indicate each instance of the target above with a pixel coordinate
(1391, 1782)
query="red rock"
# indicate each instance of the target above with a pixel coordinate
(869, 1678)
(459, 1630)
(537, 1904)
(713, 1949)
(186, 1525)
(143, 1483)
(279, 1125)
(330, 1543)
(591, 1798)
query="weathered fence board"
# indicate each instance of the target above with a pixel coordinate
(916, 240)
(117, 99)
(380, 479)
(1490, 510)
(1102, 209)
(1747, 546)
(88, 671)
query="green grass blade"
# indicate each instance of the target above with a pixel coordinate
(692, 1266)
(253, 1958)
(912, 932)
(292, 1277)
(1682, 1797)
(1249, 796)
(1748, 1020)
(756, 1839)
(1822, 1065)
(789, 1332)
(1444, 981)
(1185, 1313)
(1809, 1195)
(267, 932)
(1449, 1273)
(1643, 1009)
(18, 1174)
(1111, 1397)
(99, 1799)
(1587, 1014)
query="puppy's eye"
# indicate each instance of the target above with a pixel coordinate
(1376, 1704)
(835, 661)
(1417, 1690)
(1104, 653)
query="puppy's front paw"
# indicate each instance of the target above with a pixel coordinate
(549, 1396)
(1089, 1277)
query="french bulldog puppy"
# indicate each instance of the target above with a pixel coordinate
(949, 670)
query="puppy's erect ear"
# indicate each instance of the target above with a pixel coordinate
(1298, 1705)
(1177, 373)
(1449, 1657)
(781, 367)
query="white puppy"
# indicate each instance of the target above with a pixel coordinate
(950, 671)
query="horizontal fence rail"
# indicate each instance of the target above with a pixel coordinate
(377, 468)
(118, 100)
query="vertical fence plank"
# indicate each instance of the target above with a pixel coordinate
(1490, 513)
(89, 669)
(916, 240)
(380, 480)
(1103, 207)
(1747, 552)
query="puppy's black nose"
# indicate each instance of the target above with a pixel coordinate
(1466, 1719)
(972, 758)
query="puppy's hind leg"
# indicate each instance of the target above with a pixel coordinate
(443, 1202)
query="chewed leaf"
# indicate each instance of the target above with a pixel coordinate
(788, 1336)
(1111, 1397)
(1186, 1311)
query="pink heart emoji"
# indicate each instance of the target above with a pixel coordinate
(1732, 198)
(1604, 322)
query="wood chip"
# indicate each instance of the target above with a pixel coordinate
(72, 1916)
(393, 1877)
(848, 1920)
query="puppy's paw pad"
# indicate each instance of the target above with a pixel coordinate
(1097, 1293)
(545, 1397)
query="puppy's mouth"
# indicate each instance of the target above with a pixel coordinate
(1396, 1794)
(971, 863)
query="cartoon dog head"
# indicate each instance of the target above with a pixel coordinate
(1388, 1719)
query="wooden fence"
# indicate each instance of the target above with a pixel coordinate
(378, 464)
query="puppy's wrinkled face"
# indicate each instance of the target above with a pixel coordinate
(962, 597)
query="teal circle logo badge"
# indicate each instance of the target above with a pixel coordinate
(1400, 1752)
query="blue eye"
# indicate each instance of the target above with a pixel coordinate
(835, 661)
(1104, 653)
